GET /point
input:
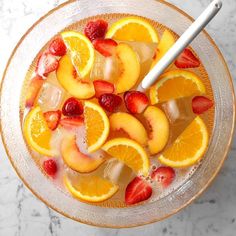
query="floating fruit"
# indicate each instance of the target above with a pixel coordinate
(71, 123)
(187, 60)
(75, 159)
(129, 68)
(57, 47)
(52, 118)
(37, 133)
(80, 50)
(97, 126)
(33, 90)
(68, 78)
(72, 107)
(135, 101)
(106, 47)
(159, 126)
(129, 152)
(166, 42)
(163, 175)
(189, 147)
(90, 188)
(47, 63)
(176, 84)
(110, 102)
(50, 167)
(131, 125)
(138, 190)
(96, 29)
(133, 28)
(101, 87)
(201, 104)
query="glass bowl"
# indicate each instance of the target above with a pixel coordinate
(37, 36)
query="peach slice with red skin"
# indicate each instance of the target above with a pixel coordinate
(166, 42)
(130, 125)
(67, 77)
(33, 90)
(75, 159)
(159, 125)
(129, 67)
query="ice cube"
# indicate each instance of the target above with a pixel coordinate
(172, 110)
(50, 97)
(105, 68)
(179, 110)
(111, 69)
(113, 170)
(179, 113)
(97, 71)
(145, 51)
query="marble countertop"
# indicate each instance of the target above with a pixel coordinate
(21, 214)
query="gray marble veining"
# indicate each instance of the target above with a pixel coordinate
(21, 214)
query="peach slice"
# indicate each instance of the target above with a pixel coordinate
(67, 77)
(129, 68)
(131, 125)
(159, 124)
(166, 42)
(33, 90)
(77, 160)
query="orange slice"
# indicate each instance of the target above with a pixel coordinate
(81, 51)
(176, 84)
(37, 133)
(129, 152)
(189, 147)
(97, 126)
(133, 29)
(90, 188)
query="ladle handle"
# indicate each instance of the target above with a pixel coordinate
(187, 37)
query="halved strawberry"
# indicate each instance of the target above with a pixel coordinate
(164, 175)
(135, 101)
(200, 104)
(96, 29)
(70, 123)
(137, 190)
(101, 87)
(46, 64)
(110, 102)
(106, 47)
(33, 90)
(52, 118)
(72, 107)
(57, 47)
(187, 60)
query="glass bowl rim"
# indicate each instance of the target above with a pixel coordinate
(207, 185)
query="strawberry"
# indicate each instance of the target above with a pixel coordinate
(101, 87)
(52, 118)
(137, 190)
(105, 46)
(70, 123)
(201, 104)
(187, 60)
(50, 167)
(164, 175)
(46, 64)
(96, 29)
(33, 90)
(110, 102)
(135, 101)
(57, 47)
(72, 107)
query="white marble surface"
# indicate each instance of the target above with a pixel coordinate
(21, 214)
